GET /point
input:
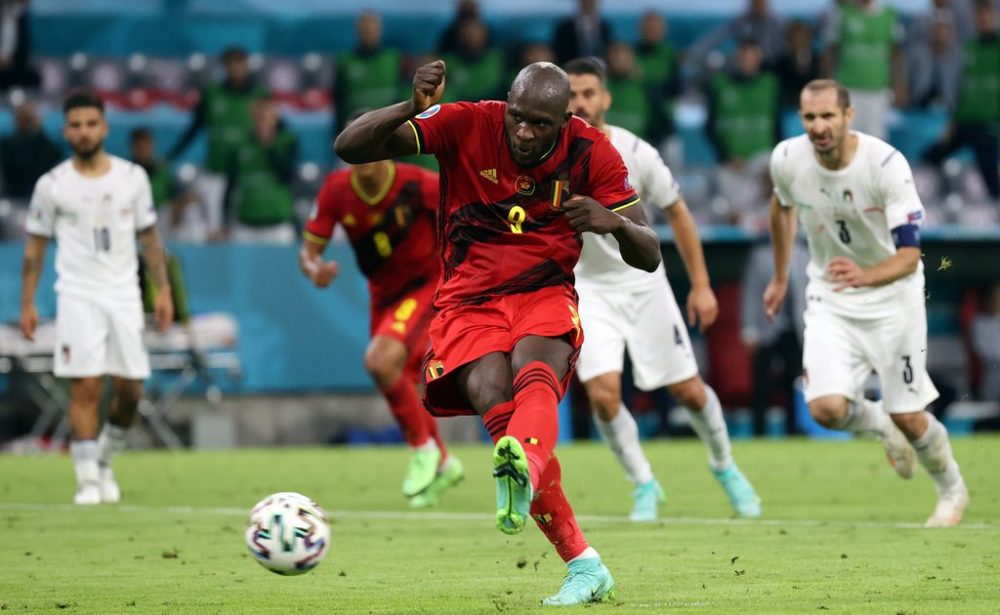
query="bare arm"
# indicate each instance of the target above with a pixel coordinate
(850, 275)
(638, 243)
(155, 260)
(701, 302)
(382, 133)
(782, 238)
(31, 272)
(311, 262)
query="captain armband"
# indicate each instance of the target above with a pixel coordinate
(906, 236)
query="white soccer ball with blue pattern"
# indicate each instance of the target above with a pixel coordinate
(288, 533)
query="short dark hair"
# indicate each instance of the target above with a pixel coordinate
(140, 133)
(588, 66)
(818, 85)
(79, 99)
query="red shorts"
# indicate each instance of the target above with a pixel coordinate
(459, 335)
(407, 320)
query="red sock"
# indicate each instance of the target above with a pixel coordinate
(535, 422)
(496, 418)
(554, 516)
(417, 425)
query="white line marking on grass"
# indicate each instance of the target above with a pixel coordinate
(398, 515)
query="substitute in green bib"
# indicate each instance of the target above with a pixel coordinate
(476, 70)
(178, 215)
(659, 65)
(864, 52)
(369, 76)
(744, 108)
(633, 108)
(260, 181)
(223, 112)
(976, 121)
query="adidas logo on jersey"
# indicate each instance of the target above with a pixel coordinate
(490, 174)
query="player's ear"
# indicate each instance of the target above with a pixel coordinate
(607, 99)
(566, 116)
(848, 114)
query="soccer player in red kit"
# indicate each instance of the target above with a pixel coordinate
(388, 212)
(520, 181)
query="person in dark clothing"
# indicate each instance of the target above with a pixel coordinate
(585, 34)
(467, 10)
(26, 154)
(798, 64)
(15, 46)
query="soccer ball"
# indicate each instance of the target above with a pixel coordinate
(288, 533)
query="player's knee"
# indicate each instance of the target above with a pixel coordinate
(690, 394)
(828, 411)
(484, 393)
(383, 368)
(605, 401)
(912, 424)
(87, 390)
(129, 394)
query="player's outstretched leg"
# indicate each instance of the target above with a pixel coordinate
(707, 421)
(587, 578)
(620, 432)
(934, 451)
(868, 419)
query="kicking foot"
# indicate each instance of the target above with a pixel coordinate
(899, 452)
(648, 497)
(110, 493)
(513, 477)
(588, 580)
(449, 474)
(741, 494)
(950, 507)
(422, 471)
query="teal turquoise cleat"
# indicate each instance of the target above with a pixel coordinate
(741, 494)
(421, 472)
(588, 581)
(648, 497)
(510, 469)
(449, 474)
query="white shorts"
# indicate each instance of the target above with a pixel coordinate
(648, 323)
(840, 354)
(99, 337)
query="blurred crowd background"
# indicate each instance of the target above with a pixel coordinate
(231, 107)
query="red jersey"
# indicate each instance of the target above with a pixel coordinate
(392, 233)
(502, 230)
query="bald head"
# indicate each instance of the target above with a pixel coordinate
(542, 86)
(537, 110)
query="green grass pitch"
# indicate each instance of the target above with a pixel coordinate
(839, 535)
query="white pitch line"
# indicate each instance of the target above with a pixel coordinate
(391, 515)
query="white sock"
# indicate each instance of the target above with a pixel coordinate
(934, 451)
(84, 453)
(110, 443)
(588, 553)
(622, 436)
(710, 426)
(430, 445)
(866, 418)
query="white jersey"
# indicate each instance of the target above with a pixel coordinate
(94, 221)
(601, 264)
(851, 212)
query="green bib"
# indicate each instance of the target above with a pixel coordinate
(979, 96)
(745, 113)
(228, 122)
(160, 181)
(263, 198)
(865, 48)
(368, 81)
(476, 80)
(630, 106)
